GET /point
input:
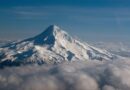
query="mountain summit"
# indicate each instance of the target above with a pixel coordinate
(51, 35)
(53, 45)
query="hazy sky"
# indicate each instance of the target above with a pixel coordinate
(90, 20)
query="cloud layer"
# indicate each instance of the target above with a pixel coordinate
(92, 75)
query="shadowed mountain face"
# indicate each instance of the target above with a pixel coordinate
(46, 37)
(51, 46)
(52, 34)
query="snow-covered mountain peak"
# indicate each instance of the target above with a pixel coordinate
(55, 30)
(53, 34)
(53, 45)
(54, 27)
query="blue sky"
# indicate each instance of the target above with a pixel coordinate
(90, 20)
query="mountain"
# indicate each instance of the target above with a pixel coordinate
(51, 46)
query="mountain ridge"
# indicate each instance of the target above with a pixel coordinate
(53, 45)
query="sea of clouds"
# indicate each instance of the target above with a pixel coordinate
(89, 75)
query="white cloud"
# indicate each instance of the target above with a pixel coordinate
(92, 75)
